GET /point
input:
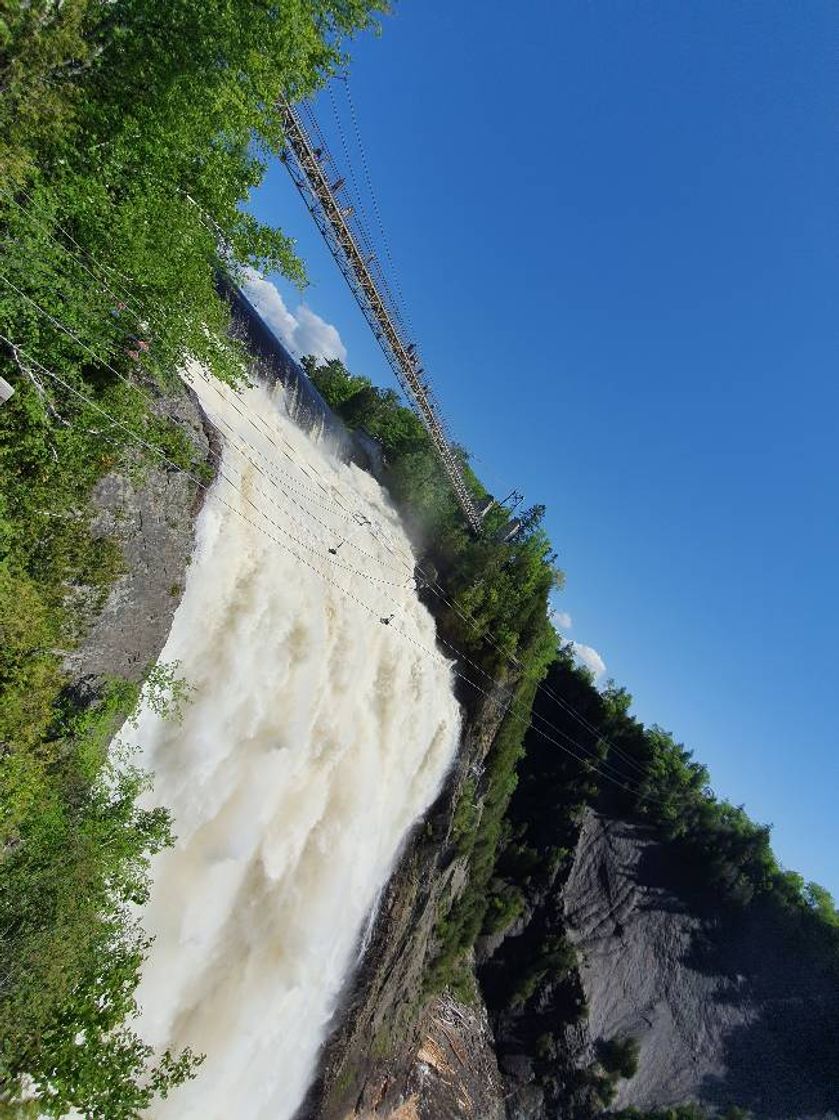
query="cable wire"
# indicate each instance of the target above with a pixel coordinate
(204, 486)
(368, 179)
(433, 585)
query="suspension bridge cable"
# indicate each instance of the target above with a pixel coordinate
(374, 257)
(353, 190)
(308, 110)
(369, 180)
(349, 189)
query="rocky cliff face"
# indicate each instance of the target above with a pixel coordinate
(150, 513)
(728, 1006)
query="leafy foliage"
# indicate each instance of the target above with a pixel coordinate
(130, 134)
(458, 929)
(78, 858)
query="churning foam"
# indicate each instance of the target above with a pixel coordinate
(315, 736)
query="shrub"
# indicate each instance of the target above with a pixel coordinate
(619, 1057)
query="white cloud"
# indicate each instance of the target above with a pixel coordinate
(302, 331)
(314, 335)
(590, 658)
(561, 619)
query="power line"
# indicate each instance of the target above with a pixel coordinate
(140, 321)
(101, 283)
(261, 513)
(71, 334)
(436, 589)
(194, 478)
(72, 256)
(123, 294)
(151, 400)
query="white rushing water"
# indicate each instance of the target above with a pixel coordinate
(315, 736)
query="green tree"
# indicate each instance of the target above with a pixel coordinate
(821, 902)
(130, 135)
(619, 1056)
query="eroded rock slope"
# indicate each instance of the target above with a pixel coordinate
(728, 1007)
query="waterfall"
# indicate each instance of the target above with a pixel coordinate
(315, 736)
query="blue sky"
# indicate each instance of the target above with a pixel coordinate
(615, 228)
